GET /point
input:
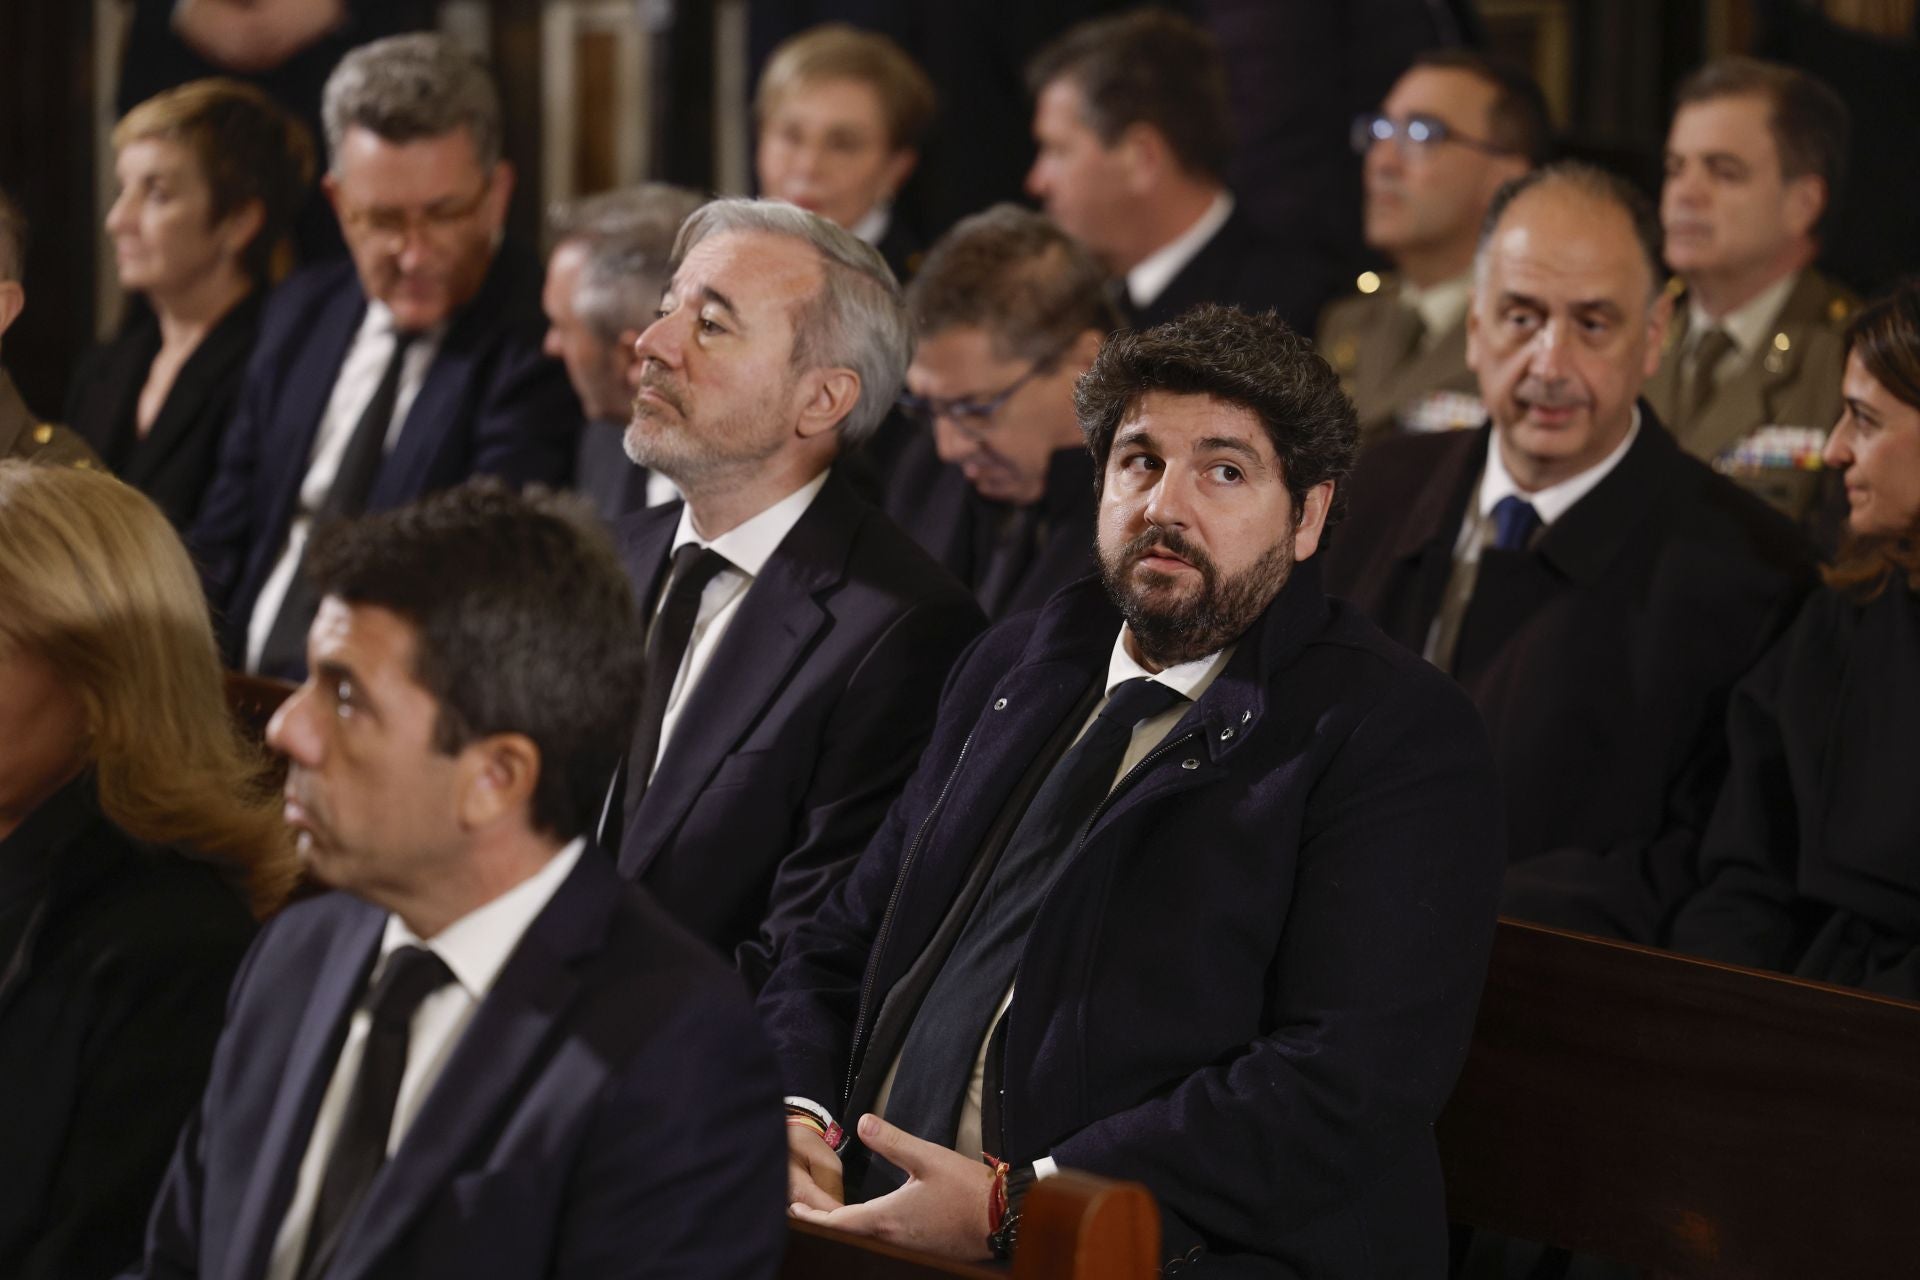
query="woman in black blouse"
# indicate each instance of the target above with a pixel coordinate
(211, 175)
(139, 839)
(1811, 863)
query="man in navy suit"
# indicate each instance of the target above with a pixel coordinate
(405, 371)
(1195, 884)
(1134, 134)
(796, 638)
(485, 1055)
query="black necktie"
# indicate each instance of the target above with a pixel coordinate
(285, 652)
(412, 974)
(941, 1046)
(693, 568)
(1514, 523)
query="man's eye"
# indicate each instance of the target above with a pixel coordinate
(709, 325)
(1228, 472)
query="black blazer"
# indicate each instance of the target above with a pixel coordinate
(1252, 984)
(934, 503)
(114, 967)
(175, 463)
(491, 404)
(803, 727)
(1601, 658)
(1242, 267)
(611, 1109)
(1812, 861)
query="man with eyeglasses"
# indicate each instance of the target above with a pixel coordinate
(1453, 129)
(1008, 312)
(404, 371)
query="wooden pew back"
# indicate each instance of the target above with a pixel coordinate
(1074, 1227)
(1689, 1118)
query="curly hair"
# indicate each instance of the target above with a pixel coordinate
(1253, 361)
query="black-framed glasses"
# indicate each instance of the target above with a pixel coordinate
(973, 415)
(1417, 131)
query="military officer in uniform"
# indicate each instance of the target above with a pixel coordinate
(1750, 375)
(22, 435)
(1453, 129)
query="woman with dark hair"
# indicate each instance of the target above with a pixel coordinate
(1811, 863)
(139, 839)
(211, 175)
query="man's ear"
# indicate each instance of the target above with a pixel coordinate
(1144, 151)
(1805, 199)
(1313, 520)
(899, 168)
(500, 193)
(831, 395)
(13, 300)
(499, 774)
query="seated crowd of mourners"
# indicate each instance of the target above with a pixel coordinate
(1047, 696)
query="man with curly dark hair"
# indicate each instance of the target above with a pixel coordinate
(1193, 886)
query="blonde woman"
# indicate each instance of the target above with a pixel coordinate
(140, 839)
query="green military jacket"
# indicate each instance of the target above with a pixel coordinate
(24, 436)
(1397, 384)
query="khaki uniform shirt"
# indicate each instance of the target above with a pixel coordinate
(24, 436)
(1399, 378)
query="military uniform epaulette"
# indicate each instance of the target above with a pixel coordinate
(24, 436)
(1397, 381)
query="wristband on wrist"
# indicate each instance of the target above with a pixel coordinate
(1005, 1195)
(829, 1131)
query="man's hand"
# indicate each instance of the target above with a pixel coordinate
(813, 1171)
(942, 1209)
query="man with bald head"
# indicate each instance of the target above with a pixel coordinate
(1594, 588)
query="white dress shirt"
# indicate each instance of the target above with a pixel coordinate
(1191, 679)
(1476, 530)
(873, 224)
(1152, 274)
(353, 390)
(475, 948)
(747, 548)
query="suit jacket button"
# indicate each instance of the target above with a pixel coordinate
(1226, 733)
(1190, 763)
(1000, 704)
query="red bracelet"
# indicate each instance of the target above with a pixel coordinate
(996, 1193)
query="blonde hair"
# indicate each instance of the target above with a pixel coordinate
(836, 51)
(97, 584)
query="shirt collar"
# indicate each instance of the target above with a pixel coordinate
(873, 224)
(1190, 679)
(749, 545)
(1749, 325)
(477, 945)
(1439, 306)
(1552, 502)
(1151, 276)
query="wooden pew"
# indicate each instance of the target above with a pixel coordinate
(1685, 1117)
(1074, 1227)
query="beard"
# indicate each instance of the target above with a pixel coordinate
(1171, 627)
(695, 455)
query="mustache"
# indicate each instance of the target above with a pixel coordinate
(1168, 540)
(1548, 395)
(658, 381)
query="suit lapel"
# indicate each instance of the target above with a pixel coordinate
(309, 383)
(403, 474)
(310, 1064)
(211, 362)
(774, 628)
(488, 1071)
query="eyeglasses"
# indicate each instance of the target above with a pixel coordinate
(973, 415)
(1419, 132)
(432, 222)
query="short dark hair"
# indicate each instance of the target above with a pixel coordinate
(13, 238)
(1014, 274)
(1810, 122)
(1148, 66)
(1253, 361)
(525, 624)
(1518, 120)
(1596, 184)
